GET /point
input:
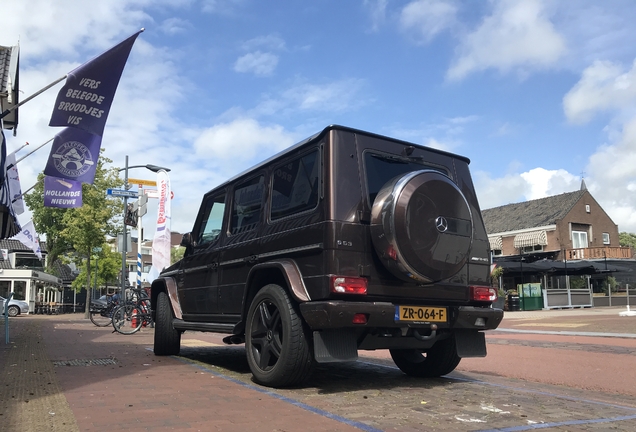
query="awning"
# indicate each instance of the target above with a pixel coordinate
(532, 238)
(495, 243)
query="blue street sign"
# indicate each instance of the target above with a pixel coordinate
(121, 193)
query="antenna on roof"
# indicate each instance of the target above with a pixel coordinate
(583, 185)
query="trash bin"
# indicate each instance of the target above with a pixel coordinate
(513, 302)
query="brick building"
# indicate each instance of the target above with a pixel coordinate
(569, 226)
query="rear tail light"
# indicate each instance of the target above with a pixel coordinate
(348, 285)
(483, 293)
(359, 318)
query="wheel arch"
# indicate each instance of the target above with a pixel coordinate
(283, 272)
(169, 286)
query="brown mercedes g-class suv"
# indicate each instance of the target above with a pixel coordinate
(345, 241)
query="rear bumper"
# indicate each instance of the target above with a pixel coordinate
(321, 315)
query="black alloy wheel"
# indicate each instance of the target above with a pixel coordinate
(276, 340)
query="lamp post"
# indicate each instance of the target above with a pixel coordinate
(153, 168)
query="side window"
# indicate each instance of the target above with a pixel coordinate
(212, 221)
(247, 204)
(295, 186)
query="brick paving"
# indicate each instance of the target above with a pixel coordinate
(109, 382)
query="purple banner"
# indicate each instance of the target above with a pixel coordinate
(9, 225)
(62, 193)
(74, 155)
(85, 99)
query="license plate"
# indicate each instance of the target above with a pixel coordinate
(420, 314)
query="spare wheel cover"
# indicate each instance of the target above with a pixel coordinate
(425, 220)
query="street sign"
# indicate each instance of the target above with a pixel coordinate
(121, 193)
(142, 182)
(97, 249)
(154, 193)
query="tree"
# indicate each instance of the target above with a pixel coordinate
(176, 254)
(83, 228)
(108, 264)
(627, 239)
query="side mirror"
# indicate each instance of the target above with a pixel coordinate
(186, 240)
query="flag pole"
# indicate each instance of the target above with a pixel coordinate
(14, 107)
(23, 193)
(30, 153)
(23, 146)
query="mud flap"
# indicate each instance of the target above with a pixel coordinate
(470, 343)
(331, 346)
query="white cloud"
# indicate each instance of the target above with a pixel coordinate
(607, 87)
(67, 27)
(222, 7)
(542, 183)
(518, 187)
(329, 97)
(612, 168)
(427, 18)
(377, 12)
(241, 140)
(258, 62)
(174, 26)
(603, 86)
(270, 42)
(517, 36)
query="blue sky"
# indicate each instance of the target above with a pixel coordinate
(536, 93)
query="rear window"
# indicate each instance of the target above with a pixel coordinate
(380, 167)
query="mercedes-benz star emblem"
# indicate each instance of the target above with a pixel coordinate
(441, 224)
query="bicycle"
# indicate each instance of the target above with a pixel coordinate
(100, 315)
(131, 317)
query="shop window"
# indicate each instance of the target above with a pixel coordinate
(5, 286)
(19, 290)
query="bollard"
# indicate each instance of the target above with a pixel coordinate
(6, 319)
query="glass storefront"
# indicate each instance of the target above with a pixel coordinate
(19, 290)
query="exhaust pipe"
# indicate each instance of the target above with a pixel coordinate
(234, 340)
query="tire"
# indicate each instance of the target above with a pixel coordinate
(167, 339)
(127, 320)
(277, 342)
(422, 227)
(13, 311)
(102, 317)
(440, 359)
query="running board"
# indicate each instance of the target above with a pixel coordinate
(203, 326)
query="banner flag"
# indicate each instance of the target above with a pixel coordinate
(29, 238)
(9, 225)
(62, 193)
(74, 156)
(85, 99)
(162, 241)
(14, 185)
